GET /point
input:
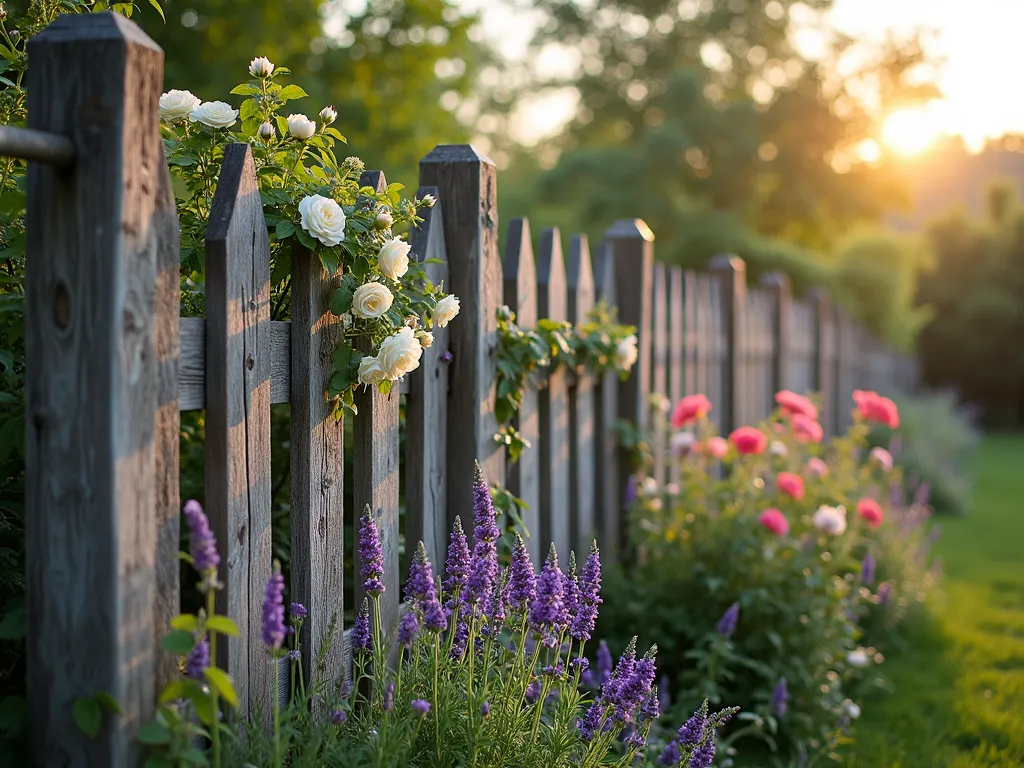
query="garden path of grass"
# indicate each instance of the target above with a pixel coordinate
(958, 699)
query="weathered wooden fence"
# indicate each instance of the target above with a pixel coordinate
(111, 365)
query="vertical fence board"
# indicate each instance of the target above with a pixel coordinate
(375, 476)
(825, 358)
(552, 299)
(677, 350)
(466, 181)
(238, 490)
(168, 422)
(91, 387)
(776, 284)
(426, 407)
(582, 419)
(607, 492)
(691, 305)
(802, 351)
(730, 271)
(659, 367)
(520, 293)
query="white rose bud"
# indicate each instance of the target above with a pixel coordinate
(175, 106)
(393, 258)
(426, 339)
(301, 127)
(323, 218)
(371, 300)
(261, 67)
(267, 131)
(384, 220)
(446, 310)
(428, 201)
(371, 373)
(626, 353)
(328, 115)
(215, 114)
(400, 353)
(857, 658)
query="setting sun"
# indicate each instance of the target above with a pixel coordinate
(909, 131)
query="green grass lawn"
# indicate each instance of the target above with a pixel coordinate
(958, 691)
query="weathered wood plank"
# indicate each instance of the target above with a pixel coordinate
(607, 491)
(825, 357)
(676, 348)
(552, 304)
(91, 387)
(426, 408)
(238, 480)
(520, 294)
(659, 369)
(730, 271)
(192, 369)
(694, 358)
(167, 601)
(375, 476)
(466, 182)
(777, 286)
(582, 418)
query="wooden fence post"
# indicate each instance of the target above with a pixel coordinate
(238, 479)
(466, 182)
(824, 356)
(659, 367)
(607, 489)
(375, 476)
(426, 406)
(732, 274)
(630, 245)
(552, 304)
(92, 387)
(582, 420)
(778, 287)
(520, 292)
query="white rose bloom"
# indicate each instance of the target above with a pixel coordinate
(851, 709)
(857, 658)
(626, 353)
(428, 201)
(323, 218)
(649, 486)
(393, 258)
(778, 448)
(831, 520)
(328, 115)
(426, 339)
(372, 300)
(446, 310)
(215, 114)
(400, 353)
(681, 443)
(301, 127)
(371, 372)
(261, 67)
(175, 106)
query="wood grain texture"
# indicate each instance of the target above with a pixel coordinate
(552, 303)
(730, 272)
(824, 357)
(676, 349)
(168, 423)
(426, 408)
(582, 418)
(91, 387)
(467, 184)
(659, 368)
(691, 335)
(520, 295)
(192, 367)
(778, 288)
(607, 491)
(317, 465)
(375, 476)
(238, 481)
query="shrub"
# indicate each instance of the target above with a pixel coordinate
(753, 574)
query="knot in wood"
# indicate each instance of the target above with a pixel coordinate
(250, 361)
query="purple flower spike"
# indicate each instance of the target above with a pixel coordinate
(522, 579)
(495, 610)
(590, 722)
(388, 703)
(485, 709)
(780, 698)
(483, 569)
(692, 731)
(408, 628)
(671, 756)
(294, 655)
(433, 616)
(456, 567)
(199, 659)
(651, 708)
(361, 630)
(571, 588)
(533, 691)
(483, 509)
(420, 585)
(297, 611)
(371, 558)
(604, 662)
(548, 616)
(585, 618)
(867, 569)
(884, 594)
(273, 610)
(420, 705)
(338, 717)
(704, 755)
(202, 544)
(727, 624)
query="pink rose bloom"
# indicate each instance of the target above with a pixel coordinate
(749, 440)
(690, 408)
(870, 510)
(793, 404)
(717, 447)
(882, 457)
(871, 406)
(806, 429)
(775, 522)
(817, 466)
(791, 485)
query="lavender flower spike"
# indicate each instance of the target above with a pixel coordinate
(704, 755)
(522, 579)
(361, 630)
(585, 618)
(199, 659)
(433, 615)
(483, 509)
(548, 616)
(867, 569)
(780, 698)
(297, 611)
(692, 731)
(408, 628)
(456, 566)
(420, 705)
(671, 756)
(202, 544)
(727, 624)
(273, 610)
(571, 588)
(420, 586)
(371, 558)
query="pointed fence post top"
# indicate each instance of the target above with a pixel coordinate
(775, 280)
(727, 262)
(93, 28)
(456, 153)
(624, 229)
